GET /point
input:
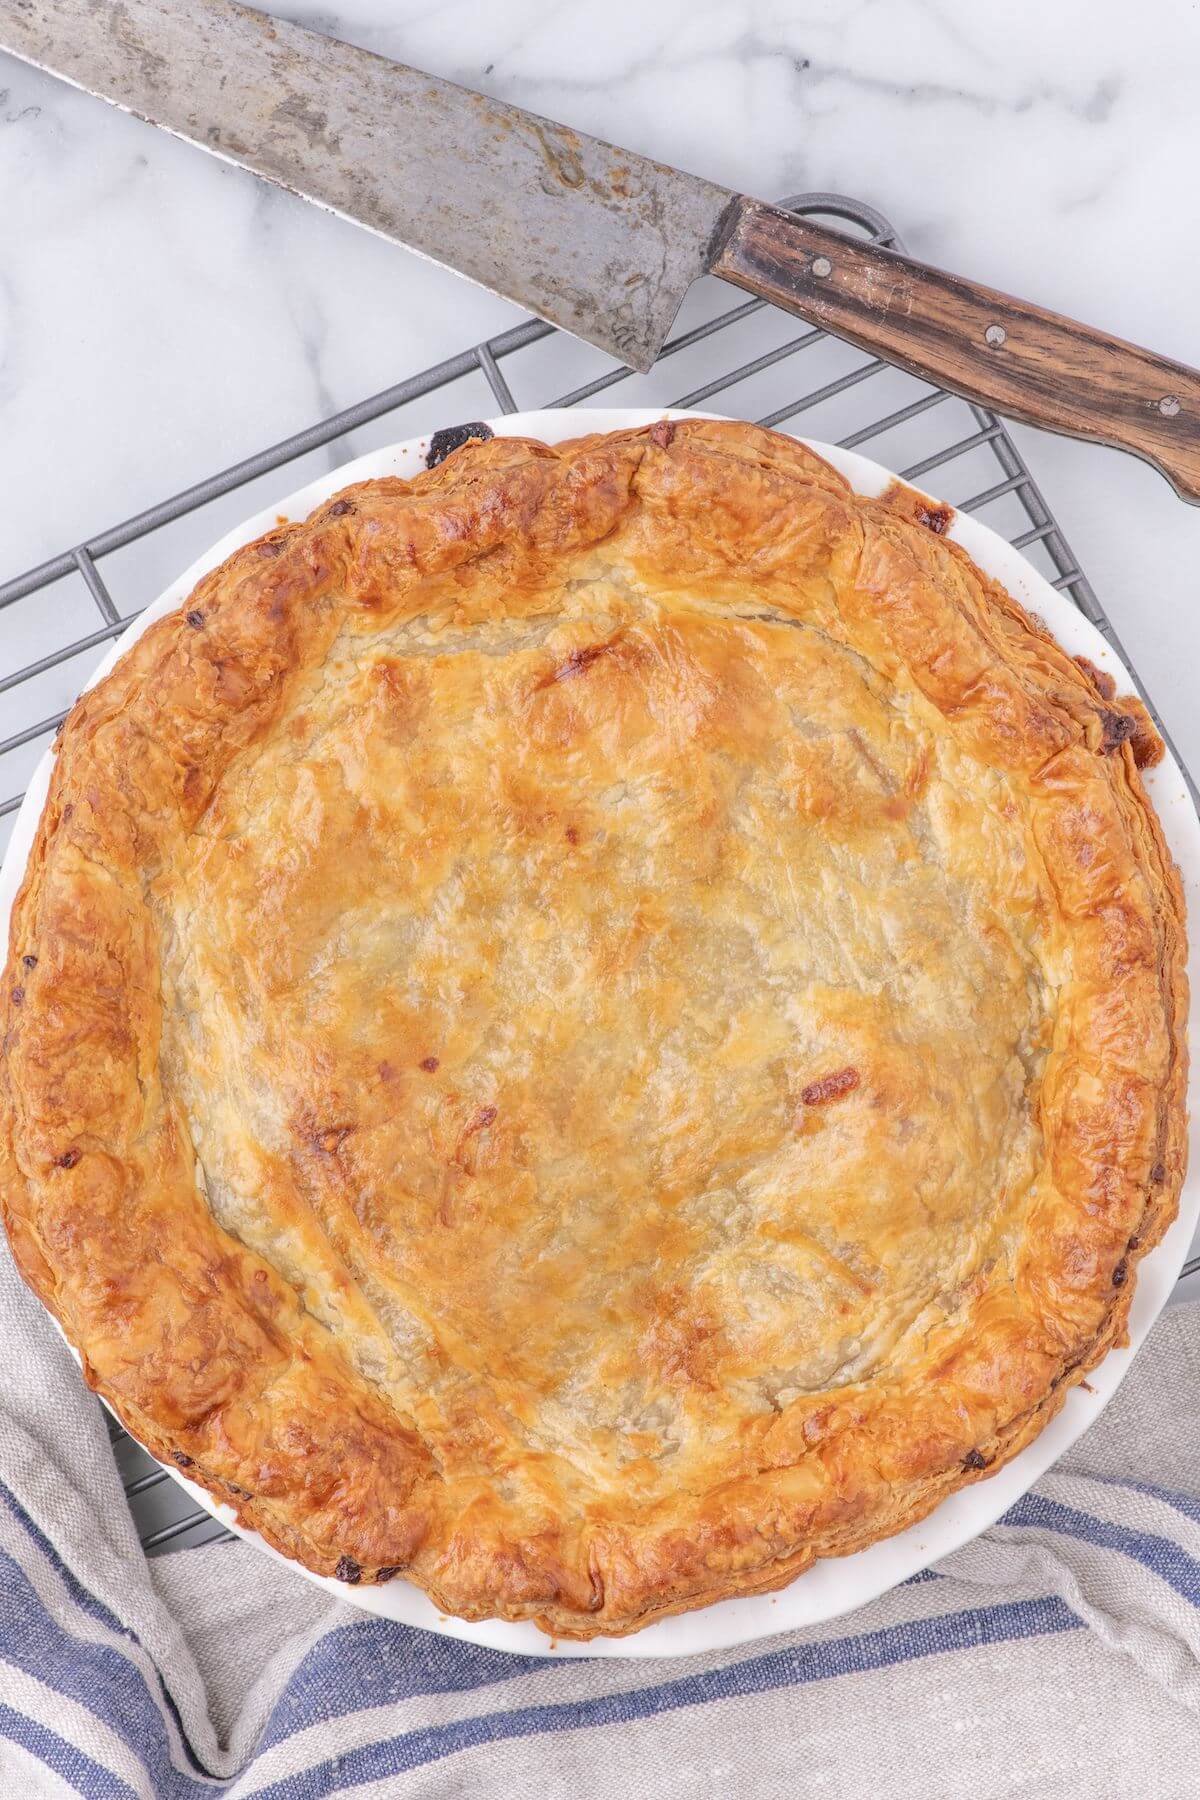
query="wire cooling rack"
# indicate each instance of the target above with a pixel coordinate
(749, 360)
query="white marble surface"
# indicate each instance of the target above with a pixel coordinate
(162, 314)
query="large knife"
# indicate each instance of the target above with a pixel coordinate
(590, 237)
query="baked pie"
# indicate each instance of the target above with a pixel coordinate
(592, 1027)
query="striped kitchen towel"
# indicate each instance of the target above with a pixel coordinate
(1058, 1655)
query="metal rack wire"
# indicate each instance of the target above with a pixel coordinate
(842, 395)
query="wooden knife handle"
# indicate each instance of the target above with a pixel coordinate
(999, 352)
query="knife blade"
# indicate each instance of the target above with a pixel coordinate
(594, 238)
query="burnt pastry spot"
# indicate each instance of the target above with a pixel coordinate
(389, 1573)
(452, 437)
(572, 835)
(67, 1160)
(195, 619)
(662, 433)
(1158, 1173)
(18, 996)
(975, 1459)
(1125, 721)
(1148, 748)
(934, 518)
(1116, 728)
(348, 1570)
(182, 1458)
(918, 509)
(830, 1087)
(578, 662)
(241, 1492)
(340, 508)
(269, 547)
(430, 1064)
(1121, 1273)
(30, 961)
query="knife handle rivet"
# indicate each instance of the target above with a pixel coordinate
(821, 267)
(1169, 405)
(995, 335)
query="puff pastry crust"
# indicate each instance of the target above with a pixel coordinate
(593, 1027)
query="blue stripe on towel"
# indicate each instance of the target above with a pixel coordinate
(90, 1778)
(794, 1666)
(104, 1680)
(82, 1596)
(98, 1677)
(374, 1663)
(1161, 1555)
(381, 1663)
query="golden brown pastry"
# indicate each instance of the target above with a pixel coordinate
(595, 1026)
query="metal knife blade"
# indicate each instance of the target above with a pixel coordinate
(590, 237)
(593, 238)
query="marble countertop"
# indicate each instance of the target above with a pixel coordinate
(163, 315)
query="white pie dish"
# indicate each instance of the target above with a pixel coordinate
(836, 1586)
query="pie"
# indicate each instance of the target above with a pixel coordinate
(595, 1026)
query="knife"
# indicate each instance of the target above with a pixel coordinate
(593, 238)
